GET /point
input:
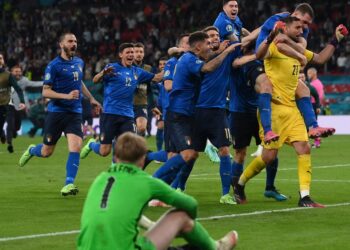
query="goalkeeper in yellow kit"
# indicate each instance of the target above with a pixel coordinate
(116, 199)
(283, 71)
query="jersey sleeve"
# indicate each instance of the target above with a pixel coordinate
(309, 55)
(18, 90)
(169, 71)
(144, 76)
(165, 193)
(195, 66)
(50, 75)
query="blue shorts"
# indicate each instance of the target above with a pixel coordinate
(58, 122)
(112, 126)
(140, 111)
(178, 132)
(212, 124)
(243, 127)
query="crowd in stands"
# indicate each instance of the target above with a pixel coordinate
(29, 28)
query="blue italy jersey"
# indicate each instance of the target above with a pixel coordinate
(268, 26)
(169, 69)
(227, 26)
(214, 85)
(186, 82)
(163, 99)
(120, 86)
(243, 97)
(65, 76)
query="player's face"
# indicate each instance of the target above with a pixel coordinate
(69, 45)
(161, 65)
(184, 43)
(2, 61)
(231, 9)
(302, 77)
(127, 56)
(310, 74)
(305, 19)
(204, 49)
(214, 39)
(17, 73)
(139, 54)
(294, 30)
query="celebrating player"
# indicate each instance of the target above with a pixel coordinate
(64, 86)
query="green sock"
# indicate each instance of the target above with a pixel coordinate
(199, 237)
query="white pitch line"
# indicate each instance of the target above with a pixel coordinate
(217, 217)
(286, 169)
(33, 236)
(279, 179)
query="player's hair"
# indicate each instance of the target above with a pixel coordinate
(139, 45)
(198, 36)
(209, 28)
(179, 40)
(63, 35)
(15, 66)
(130, 147)
(290, 19)
(226, 1)
(124, 46)
(163, 58)
(305, 8)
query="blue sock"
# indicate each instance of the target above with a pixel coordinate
(95, 146)
(264, 105)
(161, 156)
(305, 107)
(225, 173)
(171, 166)
(36, 151)
(271, 171)
(159, 139)
(175, 182)
(184, 174)
(237, 169)
(72, 166)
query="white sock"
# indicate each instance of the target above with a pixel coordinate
(304, 193)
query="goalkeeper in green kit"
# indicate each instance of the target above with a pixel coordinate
(115, 202)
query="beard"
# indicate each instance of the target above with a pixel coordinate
(70, 52)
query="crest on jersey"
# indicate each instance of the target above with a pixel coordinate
(167, 73)
(47, 76)
(135, 76)
(229, 28)
(199, 61)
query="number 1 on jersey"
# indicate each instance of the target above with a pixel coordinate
(106, 192)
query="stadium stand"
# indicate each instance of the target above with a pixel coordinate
(31, 28)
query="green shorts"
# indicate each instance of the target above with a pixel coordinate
(145, 244)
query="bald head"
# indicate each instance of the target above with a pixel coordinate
(312, 74)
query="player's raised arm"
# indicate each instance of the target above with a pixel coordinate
(215, 62)
(108, 70)
(322, 57)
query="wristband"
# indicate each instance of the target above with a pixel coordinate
(334, 42)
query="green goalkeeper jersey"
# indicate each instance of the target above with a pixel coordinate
(115, 203)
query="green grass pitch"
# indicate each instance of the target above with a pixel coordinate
(31, 203)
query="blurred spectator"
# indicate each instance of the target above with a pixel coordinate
(36, 115)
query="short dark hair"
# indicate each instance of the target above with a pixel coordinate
(290, 19)
(15, 66)
(163, 58)
(130, 147)
(198, 36)
(305, 8)
(63, 35)
(206, 29)
(139, 45)
(124, 46)
(226, 1)
(181, 37)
